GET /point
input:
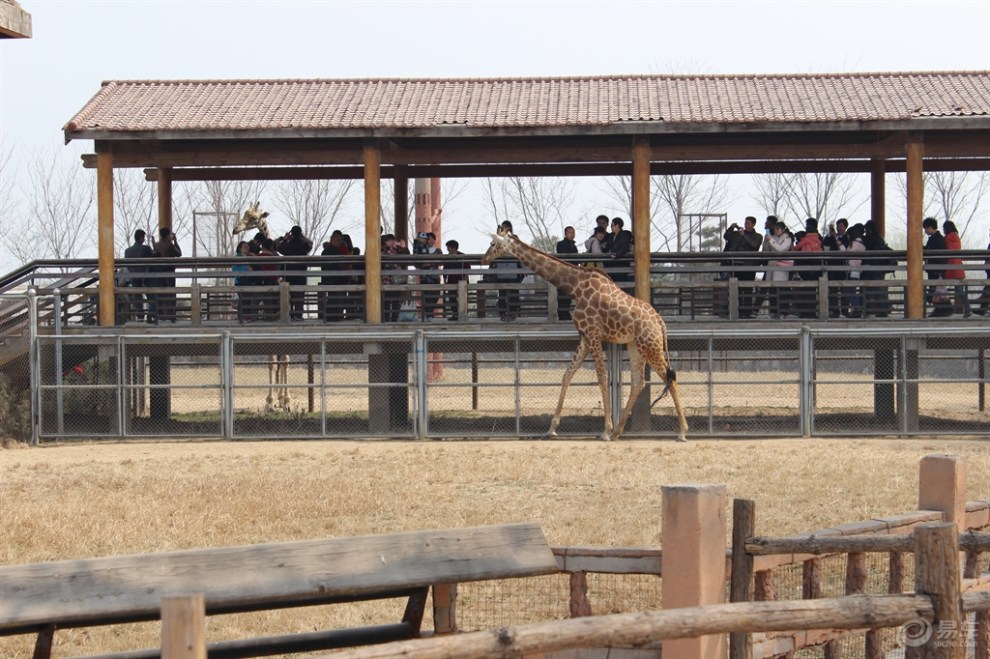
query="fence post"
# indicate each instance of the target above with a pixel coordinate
(936, 560)
(942, 487)
(743, 526)
(184, 627)
(693, 546)
(444, 608)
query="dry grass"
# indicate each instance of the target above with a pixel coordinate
(85, 500)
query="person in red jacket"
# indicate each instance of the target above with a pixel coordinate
(956, 273)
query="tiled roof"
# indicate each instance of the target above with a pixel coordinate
(328, 105)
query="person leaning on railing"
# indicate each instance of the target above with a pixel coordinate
(876, 301)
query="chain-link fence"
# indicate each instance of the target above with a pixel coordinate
(457, 384)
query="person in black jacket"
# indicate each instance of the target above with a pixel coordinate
(565, 246)
(936, 241)
(295, 243)
(744, 240)
(622, 241)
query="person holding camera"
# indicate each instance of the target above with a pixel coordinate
(294, 243)
(167, 247)
(744, 240)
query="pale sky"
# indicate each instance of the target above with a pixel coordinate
(79, 43)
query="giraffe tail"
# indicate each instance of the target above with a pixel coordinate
(670, 376)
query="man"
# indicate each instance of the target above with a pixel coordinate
(426, 245)
(601, 222)
(837, 269)
(166, 248)
(565, 246)
(621, 247)
(135, 280)
(985, 296)
(295, 243)
(936, 241)
(453, 279)
(744, 240)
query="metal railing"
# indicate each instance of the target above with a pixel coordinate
(444, 383)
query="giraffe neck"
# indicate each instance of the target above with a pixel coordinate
(562, 275)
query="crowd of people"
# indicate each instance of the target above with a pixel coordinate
(858, 297)
(609, 240)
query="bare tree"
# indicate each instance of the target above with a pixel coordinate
(59, 221)
(672, 197)
(8, 200)
(222, 203)
(135, 203)
(823, 195)
(539, 204)
(315, 205)
(771, 194)
(956, 196)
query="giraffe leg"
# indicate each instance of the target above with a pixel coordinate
(284, 401)
(596, 352)
(662, 367)
(579, 356)
(637, 368)
(270, 399)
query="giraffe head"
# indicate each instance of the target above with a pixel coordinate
(253, 218)
(501, 241)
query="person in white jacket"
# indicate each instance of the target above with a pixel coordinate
(779, 270)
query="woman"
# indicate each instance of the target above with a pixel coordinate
(855, 234)
(242, 279)
(779, 270)
(957, 274)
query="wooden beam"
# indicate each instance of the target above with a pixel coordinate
(372, 235)
(164, 198)
(641, 218)
(104, 211)
(343, 172)
(914, 303)
(878, 195)
(401, 202)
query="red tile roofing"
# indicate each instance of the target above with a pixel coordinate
(130, 106)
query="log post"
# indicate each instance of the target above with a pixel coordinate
(743, 527)
(104, 212)
(693, 545)
(936, 574)
(444, 608)
(981, 619)
(878, 195)
(942, 487)
(184, 627)
(580, 607)
(641, 218)
(914, 299)
(372, 235)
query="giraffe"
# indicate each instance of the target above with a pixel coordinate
(278, 364)
(602, 312)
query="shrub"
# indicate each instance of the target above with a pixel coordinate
(15, 412)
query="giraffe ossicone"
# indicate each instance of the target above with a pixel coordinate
(601, 313)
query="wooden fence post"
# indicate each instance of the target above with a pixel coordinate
(942, 487)
(693, 560)
(743, 527)
(184, 627)
(936, 574)
(444, 608)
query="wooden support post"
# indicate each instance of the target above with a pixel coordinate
(936, 561)
(856, 573)
(401, 209)
(184, 627)
(164, 198)
(763, 588)
(914, 302)
(693, 544)
(942, 487)
(580, 607)
(743, 527)
(444, 608)
(641, 218)
(981, 619)
(878, 195)
(372, 235)
(104, 210)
